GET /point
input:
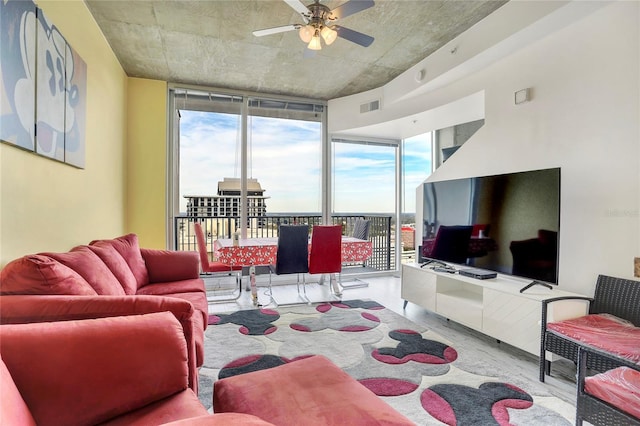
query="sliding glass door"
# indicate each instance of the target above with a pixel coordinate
(366, 183)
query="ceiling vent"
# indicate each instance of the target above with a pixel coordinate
(370, 106)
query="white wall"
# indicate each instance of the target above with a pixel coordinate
(584, 116)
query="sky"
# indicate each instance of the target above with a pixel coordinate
(285, 157)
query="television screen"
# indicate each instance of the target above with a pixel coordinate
(507, 223)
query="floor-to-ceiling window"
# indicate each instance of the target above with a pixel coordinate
(417, 165)
(285, 156)
(366, 182)
(236, 158)
(240, 157)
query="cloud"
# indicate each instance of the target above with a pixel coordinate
(285, 157)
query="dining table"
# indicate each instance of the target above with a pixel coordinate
(262, 251)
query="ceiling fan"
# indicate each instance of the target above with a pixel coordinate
(319, 23)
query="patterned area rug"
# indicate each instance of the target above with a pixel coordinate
(410, 367)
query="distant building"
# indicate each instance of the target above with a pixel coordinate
(227, 202)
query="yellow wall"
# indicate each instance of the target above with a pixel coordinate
(147, 158)
(50, 206)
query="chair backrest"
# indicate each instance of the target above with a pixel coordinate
(452, 243)
(361, 229)
(202, 245)
(292, 256)
(326, 249)
(617, 296)
(484, 227)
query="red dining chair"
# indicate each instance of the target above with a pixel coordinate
(210, 267)
(326, 254)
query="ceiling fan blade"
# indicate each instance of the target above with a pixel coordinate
(298, 7)
(275, 30)
(353, 36)
(351, 7)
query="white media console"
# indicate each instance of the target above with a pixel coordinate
(494, 307)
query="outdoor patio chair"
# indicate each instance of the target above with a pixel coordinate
(360, 231)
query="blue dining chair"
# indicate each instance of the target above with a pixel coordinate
(292, 255)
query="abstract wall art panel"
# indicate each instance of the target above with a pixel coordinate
(18, 73)
(44, 86)
(75, 109)
(50, 89)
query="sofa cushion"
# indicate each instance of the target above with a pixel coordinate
(38, 274)
(222, 419)
(200, 317)
(129, 249)
(118, 266)
(198, 298)
(168, 288)
(13, 409)
(182, 405)
(91, 268)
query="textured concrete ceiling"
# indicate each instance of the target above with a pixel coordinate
(210, 42)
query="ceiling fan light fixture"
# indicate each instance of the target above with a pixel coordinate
(329, 35)
(315, 43)
(306, 33)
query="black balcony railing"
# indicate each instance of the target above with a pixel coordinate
(380, 231)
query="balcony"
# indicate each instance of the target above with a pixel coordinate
(381, 233)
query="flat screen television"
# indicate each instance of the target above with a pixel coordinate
(507, 223)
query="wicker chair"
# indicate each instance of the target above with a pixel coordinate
(592, 409)
(615, 296)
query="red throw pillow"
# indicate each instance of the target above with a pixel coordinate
(91, 268)
(38, 274)
(118, 266)
(128, 247)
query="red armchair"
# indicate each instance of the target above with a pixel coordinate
(94, 371)
(106, 371)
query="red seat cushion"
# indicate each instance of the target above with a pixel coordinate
(619, 387)
(181, 405)
(603, 331)
(221, 419)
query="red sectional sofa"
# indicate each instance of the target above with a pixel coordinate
(105, 371)
(108, 278)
